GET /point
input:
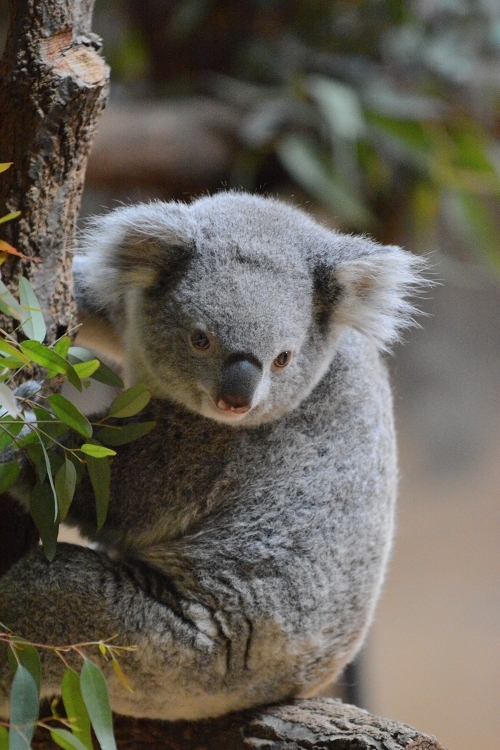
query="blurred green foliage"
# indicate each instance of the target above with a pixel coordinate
(371, 106)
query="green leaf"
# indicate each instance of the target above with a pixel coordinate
(65, 487)
(51, 481)
(9, 474)
(79, 467)
(10, 216)
(76, 709)
(86, 369)
(34, 325)
(5, 165)
(24, 700)
(12, 363)
(35, 454)
(66, 740)
(48, 423)
(95, 695)
(130, 402)
(9, 304)
(100, 475)
(13, 351)
(54, 363)
(62, 346)
(104, 374)
(42, 512)
(70, 415)
(126, 434)
(4, 736)
(27, 655)
(9, 429)
(96, 450)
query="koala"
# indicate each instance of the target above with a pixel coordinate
(249, 532)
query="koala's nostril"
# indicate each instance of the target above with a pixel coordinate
(239, 379)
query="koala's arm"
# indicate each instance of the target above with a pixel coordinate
(192, 659)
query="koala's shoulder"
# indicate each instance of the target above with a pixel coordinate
(355, 388)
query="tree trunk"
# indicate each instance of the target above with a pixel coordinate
(315, 724)
(53, 86)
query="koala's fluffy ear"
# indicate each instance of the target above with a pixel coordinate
(366, 286)
(128, 248)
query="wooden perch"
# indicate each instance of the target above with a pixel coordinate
(312, 724)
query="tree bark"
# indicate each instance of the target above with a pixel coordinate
(315, 723)
(53, 86)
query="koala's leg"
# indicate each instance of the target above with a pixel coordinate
(18, 533)
(179, 669)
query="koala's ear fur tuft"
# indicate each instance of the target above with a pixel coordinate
(128, 248)
(368, 286)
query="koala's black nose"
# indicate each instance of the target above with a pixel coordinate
(240, 377)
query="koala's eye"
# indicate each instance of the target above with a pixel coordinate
(201, 341)
(282, 360)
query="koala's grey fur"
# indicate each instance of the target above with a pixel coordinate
(243, 552)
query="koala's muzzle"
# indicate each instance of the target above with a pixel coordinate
(240, 377)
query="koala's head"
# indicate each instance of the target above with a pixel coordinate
(233, 305)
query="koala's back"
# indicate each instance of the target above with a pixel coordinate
(287, 526)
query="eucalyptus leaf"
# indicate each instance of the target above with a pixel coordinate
(42, 512)
(37, 458)
(53, 362)
(65, 483)
(86, 369)
(51, 481)
(10, 304)
(100, 475)
(24, 702)
(126, 434)
(70, 415)
(95, 694)
(12, 214)
(130, 402)
(9, 474)
(34, 325)
(103, 374)
(76, 709)
(66, 740)
(28, 656)
(9, 430)
(13, 351)
(96, 450)
(13, 363)
(62, 347)
(4, 739)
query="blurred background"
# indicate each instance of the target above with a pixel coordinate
(378, 116)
